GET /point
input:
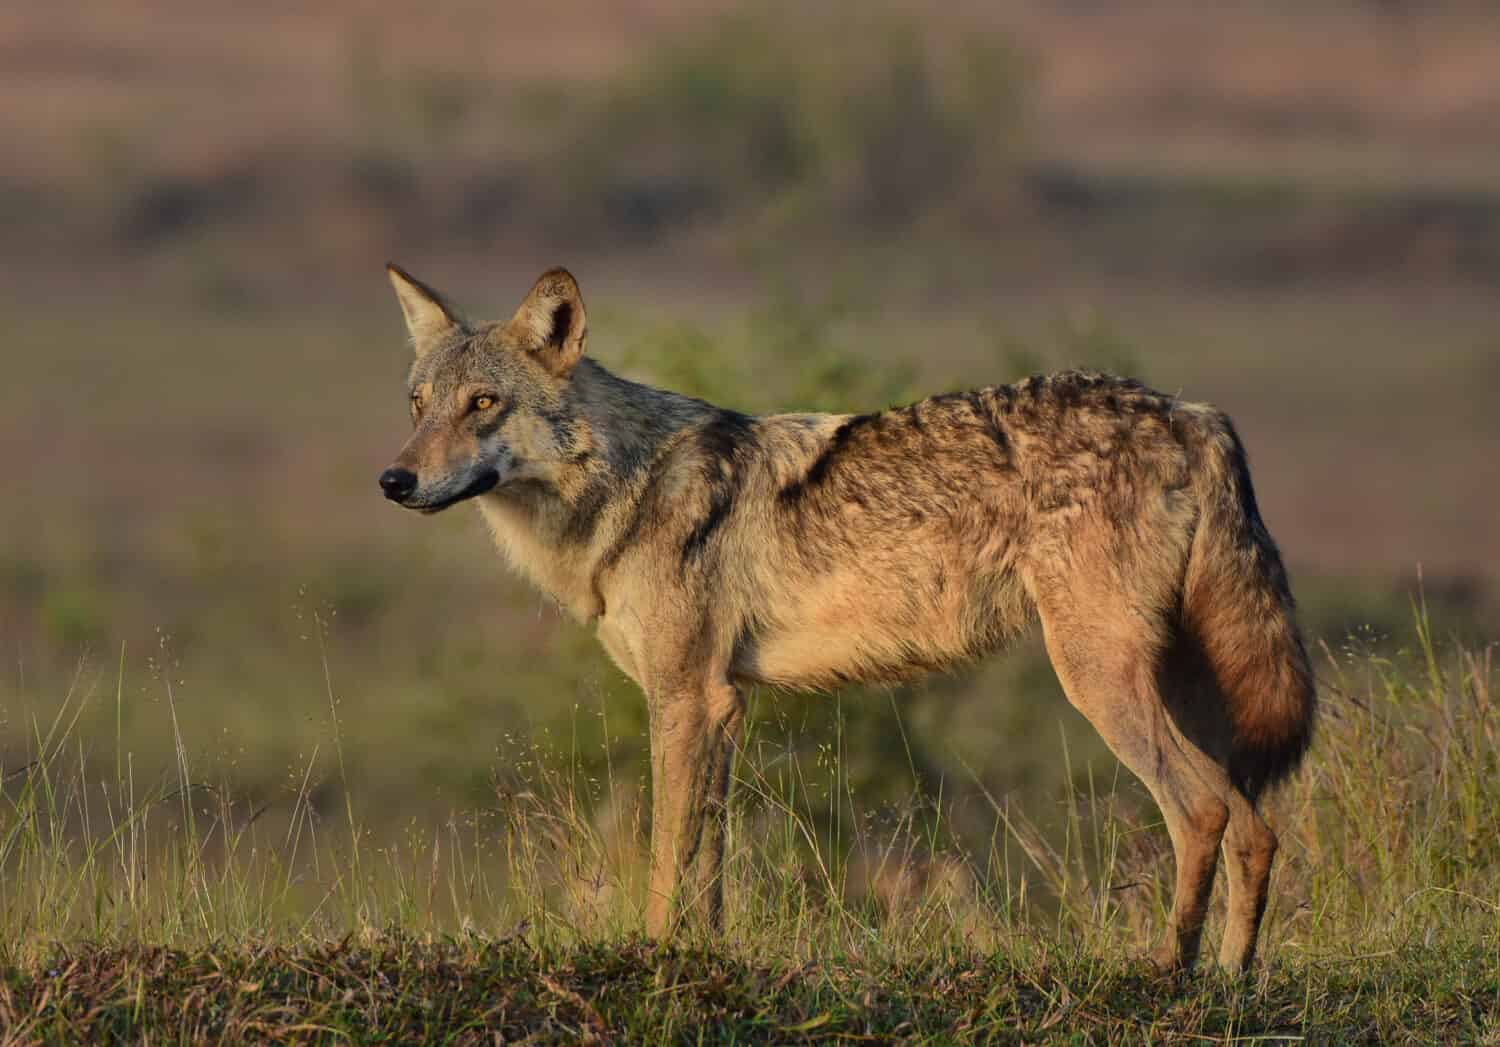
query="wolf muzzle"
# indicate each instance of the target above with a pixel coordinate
(398, 484)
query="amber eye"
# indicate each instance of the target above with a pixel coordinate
(416, 405)
(483, 403)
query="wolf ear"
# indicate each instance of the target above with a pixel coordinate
(551, 324)
(429, 318)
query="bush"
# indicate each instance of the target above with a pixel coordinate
(802, 117)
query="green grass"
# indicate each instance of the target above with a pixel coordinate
(174, 911)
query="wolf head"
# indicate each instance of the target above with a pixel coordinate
(488, 401)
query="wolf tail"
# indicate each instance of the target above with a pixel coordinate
(1239, 607)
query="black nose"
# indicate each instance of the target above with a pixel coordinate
(398, 484)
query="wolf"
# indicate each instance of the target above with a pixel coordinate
(713, 551)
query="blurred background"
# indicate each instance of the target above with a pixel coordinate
(1289, 209)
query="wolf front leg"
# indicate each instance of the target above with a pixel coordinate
(695, 732)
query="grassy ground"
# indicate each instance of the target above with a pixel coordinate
(393, 989)
(175, 912)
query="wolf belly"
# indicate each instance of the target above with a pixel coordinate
(850, 627)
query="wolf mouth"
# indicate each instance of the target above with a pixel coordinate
(485, 481)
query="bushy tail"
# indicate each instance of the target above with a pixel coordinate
(1237, 604)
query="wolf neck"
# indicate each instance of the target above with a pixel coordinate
(556, 535)
(628, 423)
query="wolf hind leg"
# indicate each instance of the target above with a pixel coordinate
(1200, 709)
(1108, 662)
(1249, 849)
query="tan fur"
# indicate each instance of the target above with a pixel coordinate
(713, 551)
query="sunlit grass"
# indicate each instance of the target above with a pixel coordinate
(1385, 917)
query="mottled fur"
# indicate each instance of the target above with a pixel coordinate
(714, 551)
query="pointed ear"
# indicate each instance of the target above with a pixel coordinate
(551, 323)
(429, 318)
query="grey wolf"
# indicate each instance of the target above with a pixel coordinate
(713, 551)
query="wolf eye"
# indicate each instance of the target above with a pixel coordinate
(483, 403)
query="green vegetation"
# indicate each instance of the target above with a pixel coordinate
(754, 117)
(174, 910)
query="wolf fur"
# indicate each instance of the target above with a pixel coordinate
(713, 551)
